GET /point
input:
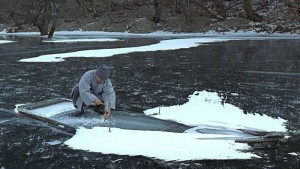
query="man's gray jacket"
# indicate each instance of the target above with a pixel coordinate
(89, 90)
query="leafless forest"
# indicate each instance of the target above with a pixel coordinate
(46, 16)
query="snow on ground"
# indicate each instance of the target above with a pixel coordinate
(172, 44)
(202, 109)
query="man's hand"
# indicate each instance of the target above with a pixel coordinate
(98, 102)
(107, 114)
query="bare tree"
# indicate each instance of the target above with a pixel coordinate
(177, 6)
(298, 6)
(43, 12)
(54, 12)
(40, 13)
(158, 10)
(251, 15)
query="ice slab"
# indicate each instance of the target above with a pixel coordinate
(54, 109)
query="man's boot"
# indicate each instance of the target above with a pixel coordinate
(81, 112)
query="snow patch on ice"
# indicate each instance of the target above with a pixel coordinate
(172, 44)
(6, 41)
(80, 40)
(293, 154)
(53, 143)
(162, 145)
(207, 108)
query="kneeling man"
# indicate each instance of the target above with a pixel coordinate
(94, 89)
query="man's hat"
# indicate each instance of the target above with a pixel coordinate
(103, 72)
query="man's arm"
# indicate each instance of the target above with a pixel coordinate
(109, 94)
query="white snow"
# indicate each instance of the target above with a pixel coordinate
(206, 108)
(80, 40)
(6, 41)
(161, 145)
(17, 106)
(53, 143)
(172, 44)
(203, 110)
(293, 154)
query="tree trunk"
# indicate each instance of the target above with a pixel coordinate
(158, 9)
(298, 6)
(251, 15)
(177, 6)
(54, 12)
(109, 5)
(43, 17)
(43, 20)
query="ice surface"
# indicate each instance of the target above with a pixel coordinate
(54, 109)
(203, 108)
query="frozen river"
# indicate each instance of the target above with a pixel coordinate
(258, 75)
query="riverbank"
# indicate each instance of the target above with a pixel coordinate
(175, 25)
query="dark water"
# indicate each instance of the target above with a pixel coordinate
(264, 73)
